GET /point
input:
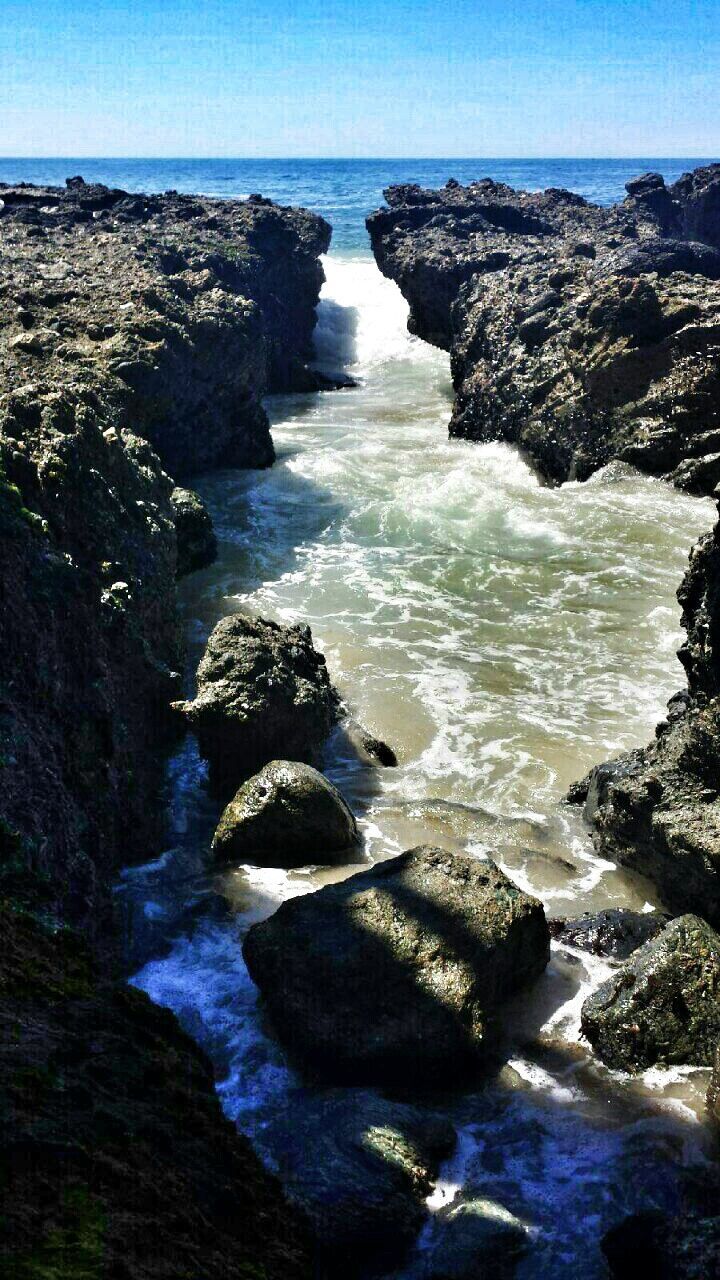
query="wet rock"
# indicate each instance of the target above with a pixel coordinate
(360, 1168)
(664, 1247)
(713, 1093)
(196, 541)
(614, 932)
(663, 1006)
(369, 747)
(287, 815)
(413, 959)
(263, 693)
(474, 1239)
(576, 332)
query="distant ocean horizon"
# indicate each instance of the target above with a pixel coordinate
(343, 191)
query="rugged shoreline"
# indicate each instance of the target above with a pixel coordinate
(138, 335)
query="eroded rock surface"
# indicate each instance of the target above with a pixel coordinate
(263, 693)
(663, 1006)
(287, 815)
(615, 932)
(579, 333)
(395, 975)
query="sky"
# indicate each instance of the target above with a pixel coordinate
(476, 78)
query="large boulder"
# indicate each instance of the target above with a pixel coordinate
(263, 693)
(664, 1247)
(360, 1168)
(397, 973)
(196, 541)
(287, 815)
(663, 1006)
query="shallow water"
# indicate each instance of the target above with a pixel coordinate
(503, 636)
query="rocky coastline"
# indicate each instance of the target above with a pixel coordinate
(138, 335)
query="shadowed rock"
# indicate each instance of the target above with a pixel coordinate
(196, 541)
(395, 974)
(663, 1006)
(287, 815)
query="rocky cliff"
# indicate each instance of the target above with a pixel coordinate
(579, 333)
(137, 337)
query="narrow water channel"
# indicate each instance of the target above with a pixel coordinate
(503, 636)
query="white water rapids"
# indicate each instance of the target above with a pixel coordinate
(502, 636)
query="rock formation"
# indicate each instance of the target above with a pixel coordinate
(663, 1005)
(397, 973)
(579, 333)
(263, 693)
(615, 932)
(137, 336)
(287, 815)
(195, 536)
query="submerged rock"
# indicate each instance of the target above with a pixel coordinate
(396, 974)
(196, 541)
(359, 1167)
(663, 1006)
(614, 932)
(287, 815)
(263, 693)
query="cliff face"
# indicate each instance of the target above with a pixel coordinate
(580, 333)
(137, 336)
(125, 322)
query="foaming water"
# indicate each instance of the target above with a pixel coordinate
(503, 636)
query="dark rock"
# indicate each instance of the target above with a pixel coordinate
(614, 932)
(663, 1006)
(360, 1167)
(664, 1247)
(475, 1238)
(263, 693)
(196, 541)
(116, 1159)
(576, 332)
(413, 958)
(287, 815)
(713, 1093)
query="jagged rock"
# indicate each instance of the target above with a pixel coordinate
(263, 693)
(663, 1006)
(181, 310)
(359, 1167)
(413, 959)
(196, 541)
(287, 815)
(614, 932)
(475, 1238)
(116, 1158)
(579, 333)
(713, 1093)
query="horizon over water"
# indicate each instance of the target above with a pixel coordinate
(343, 191)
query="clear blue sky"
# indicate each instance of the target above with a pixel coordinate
(359, 77)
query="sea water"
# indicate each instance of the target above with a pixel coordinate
(502, 636)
